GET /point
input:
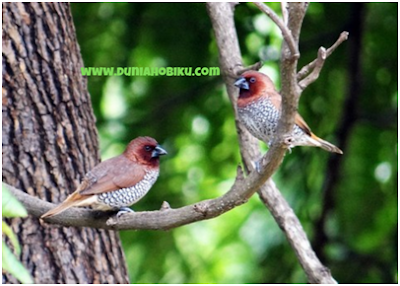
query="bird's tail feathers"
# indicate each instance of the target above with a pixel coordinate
(75, 199)
(325, 145)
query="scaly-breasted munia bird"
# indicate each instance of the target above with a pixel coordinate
(259, 108)
(119, 182)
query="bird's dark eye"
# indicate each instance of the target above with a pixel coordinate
(252, 80)
(147, 148)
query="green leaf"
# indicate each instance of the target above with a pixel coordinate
(13, 238)
(11, 207)
(14, 267)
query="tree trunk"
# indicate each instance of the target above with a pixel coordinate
(50, 142)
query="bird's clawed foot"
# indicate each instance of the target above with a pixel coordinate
(165, 206)
(123, 211)
(257, 165)
(288, 141)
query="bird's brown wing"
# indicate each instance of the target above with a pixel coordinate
(299, 121)
(275, 98)
(117, 173)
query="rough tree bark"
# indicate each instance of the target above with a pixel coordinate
(49, 142)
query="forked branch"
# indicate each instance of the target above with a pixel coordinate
(317, 64)
(286, 33)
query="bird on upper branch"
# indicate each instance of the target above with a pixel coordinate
(259, 109)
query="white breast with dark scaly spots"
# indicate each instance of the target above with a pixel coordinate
(128, 196)
(260, 118)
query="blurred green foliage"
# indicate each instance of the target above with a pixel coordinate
(192, 118)
(11, 207)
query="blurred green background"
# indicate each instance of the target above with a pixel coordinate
(352, 224)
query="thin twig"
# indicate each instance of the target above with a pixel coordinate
(286, 33)
(313, 76)
(256, 67)
(285, 14)
(306, 69)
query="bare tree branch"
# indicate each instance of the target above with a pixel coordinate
(223, 25)
(309, 67)
(163, 219)
(287, 35)
(316, 272)
(256, 67)
(285, 14)
(313, 76)
(290, 91)
(221, 15)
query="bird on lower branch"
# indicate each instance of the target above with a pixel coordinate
(119, 182)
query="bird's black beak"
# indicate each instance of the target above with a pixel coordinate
(242, 83)
(158, 151)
